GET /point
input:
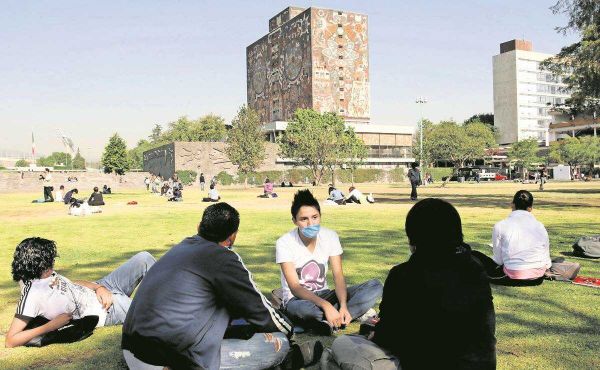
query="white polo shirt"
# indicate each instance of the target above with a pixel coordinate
(520, 242)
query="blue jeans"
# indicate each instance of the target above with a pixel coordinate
(122, 282)
(261, 351)
(360, 298)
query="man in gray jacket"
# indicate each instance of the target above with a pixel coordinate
(182, 309)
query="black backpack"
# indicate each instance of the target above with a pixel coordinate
(587, 247)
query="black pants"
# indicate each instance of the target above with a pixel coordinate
(413, 193)
(353, 199)
(48, 194)
(497, 275)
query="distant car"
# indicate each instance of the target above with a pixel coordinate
(500, 177)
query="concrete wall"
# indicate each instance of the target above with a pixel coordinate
(505, 97)
(12, 181)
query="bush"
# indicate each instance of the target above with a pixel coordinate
(187, 177)
(396, 175)
(257, 178)
(360, 175)
(298, 175)
(224, 178)
(22, 163)
(438, 172)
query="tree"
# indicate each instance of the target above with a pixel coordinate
(246, 142)
(156, 134)
(136, 155)
(590, 151)
(578, 64)
(566, 151)
(114, 157)
(524, 153)
(207, 128)
(479, 137)
(313, 140)
(56, 159)
(22, 163)
(78, 161)
(416, 148)
(487, 118)
(354, 151)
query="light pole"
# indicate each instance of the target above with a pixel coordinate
(421, 100)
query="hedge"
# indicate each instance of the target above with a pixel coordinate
(396, 175)
(360, 175)
(187, 177)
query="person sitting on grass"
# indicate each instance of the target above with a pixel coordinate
(96, 199)
(303, 255)
(521, 248)
(58, 196)
(268, 190)
(106, 189)
(437, 310)
(181, 314)
(177, 193)
(354, 195)
(46, 293)
(69, 197)
(213, 195)
(337, 196)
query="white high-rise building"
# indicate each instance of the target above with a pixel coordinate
(523, 93)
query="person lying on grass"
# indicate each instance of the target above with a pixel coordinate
(303, 255)
(520, 246)
(46, 293)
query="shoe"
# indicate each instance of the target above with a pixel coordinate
(303, 354)
(322, 328)
(367, 316)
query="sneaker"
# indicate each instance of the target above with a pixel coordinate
(322, 328)
(367, 316)
(303, 354)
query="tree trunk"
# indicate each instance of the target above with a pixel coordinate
(246, 181)
(333, 177)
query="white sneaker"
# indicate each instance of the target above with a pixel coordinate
(368, 315)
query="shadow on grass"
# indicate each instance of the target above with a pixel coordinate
(573, 191)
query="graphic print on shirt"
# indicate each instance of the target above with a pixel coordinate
(79, 300)
(312, 275)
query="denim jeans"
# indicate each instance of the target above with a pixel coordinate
(357, 352)
(122, 282)
(360, 298)
(261, 351)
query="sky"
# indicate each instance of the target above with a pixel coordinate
(90, 69)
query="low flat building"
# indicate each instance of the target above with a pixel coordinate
(581, 126)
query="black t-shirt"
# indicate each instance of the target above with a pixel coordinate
(438, 314)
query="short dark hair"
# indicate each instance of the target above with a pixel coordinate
(434, 227)
(212, 186)
(219, 221)
(304, 198)
(523, 200)
(47, 169)
(62, 187)
(32, 257)
(414, 165)
(75, 191)
(95, 188)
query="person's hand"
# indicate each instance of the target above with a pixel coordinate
(59, 321)
(332, 315)
(104, 297)
(345, 314)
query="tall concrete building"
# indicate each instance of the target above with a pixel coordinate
(523, 93)
(311, 58)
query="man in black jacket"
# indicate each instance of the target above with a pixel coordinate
(414, 176)
(182, 309)
(96, 199)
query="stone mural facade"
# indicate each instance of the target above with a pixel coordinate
(314, 58)
(206, 157)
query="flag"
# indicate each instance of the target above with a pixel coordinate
(32, 146)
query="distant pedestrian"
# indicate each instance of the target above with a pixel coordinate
(543, 177)
(202, 182)
(46, 177)
(477, 177)
(213, 181)
(414, 176)
(147, 183)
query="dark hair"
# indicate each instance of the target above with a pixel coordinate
(331, 188)
(433, 227)
(62, 187)
(219, 221)
(523, 200)
(47, 169)
(212, 186)
(351, 188)
(32, 257)
(76, 191)
(95, 188)
(267, 180)
(414, 165)
(304, 198)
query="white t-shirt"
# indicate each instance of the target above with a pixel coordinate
(355, 193)
(310, 267)
(47, 179)
(58, 197)
(213, 194)
(56, 295)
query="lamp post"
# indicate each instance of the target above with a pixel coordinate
(421, 100)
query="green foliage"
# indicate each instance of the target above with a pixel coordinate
(299, 175)
(224, 178)
(207, 128)
(524, 154)
(396, 175)
(78, 161)
(156, 134)
(360, 175)
(114, 158)
(22, 163)
(578, 64)
(566, 151)
(245, 141)
(135, 156)
(187, 177)
(258, 178)
(319, 142)
(456, 143)
(56, 159)
(485, 118)
(437, 173)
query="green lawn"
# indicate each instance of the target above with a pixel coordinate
(556, 325)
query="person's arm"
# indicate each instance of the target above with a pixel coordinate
(104, 295)
(18, 336)
(233, 284)
(331, 314)
(497, 245)
(340, 287)
(91, 198)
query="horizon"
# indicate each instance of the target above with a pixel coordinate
(105, 68)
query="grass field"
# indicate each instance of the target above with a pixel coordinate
(555, 325)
